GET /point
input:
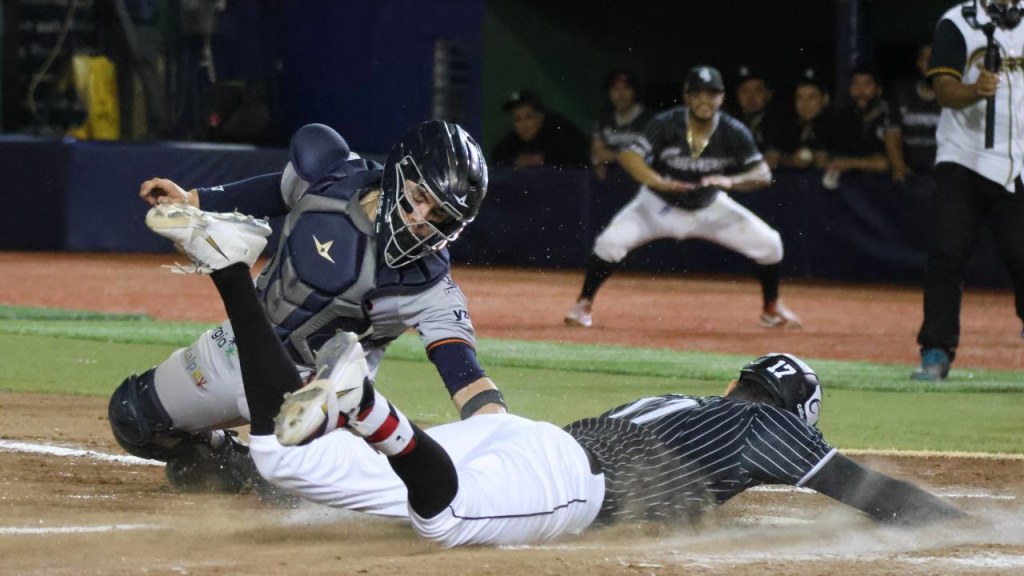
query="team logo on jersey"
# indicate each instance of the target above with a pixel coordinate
(674, 157)
(192, 367)
(225, 341)
(1009, 64)
(324, 248)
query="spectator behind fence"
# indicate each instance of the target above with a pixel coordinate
(858, 130)
(538, 137)
(805, 140)
(621, 124)
(910, 140)
(753, 107)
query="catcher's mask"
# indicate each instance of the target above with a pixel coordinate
(438, 162)
(791, 383)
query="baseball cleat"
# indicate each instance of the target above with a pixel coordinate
(211, 240)
(580, 314)
(333, 398)
(778, 316)
(934, 365)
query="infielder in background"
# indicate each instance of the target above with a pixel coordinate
(685, 161)
(504, 479)
(973, 184)
(346, 260)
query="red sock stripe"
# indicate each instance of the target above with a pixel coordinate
(407, 449)
(385, 430)
(364, 412)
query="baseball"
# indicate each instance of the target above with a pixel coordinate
(805, 155)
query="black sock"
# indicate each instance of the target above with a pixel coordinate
(267, 370)
(768, 274)
(428, 474)
(598, 271)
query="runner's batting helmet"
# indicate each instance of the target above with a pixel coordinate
(790, 381)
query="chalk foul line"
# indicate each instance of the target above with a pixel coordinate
(52, 450)
(36, 530)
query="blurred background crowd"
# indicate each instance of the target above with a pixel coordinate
(252, 71)
(98, 95)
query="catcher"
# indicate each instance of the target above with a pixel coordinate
(346, 260)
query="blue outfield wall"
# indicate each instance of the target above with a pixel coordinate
(869, 230)
(83, 196)
(104, 212)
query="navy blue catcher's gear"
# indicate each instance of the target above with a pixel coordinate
(791, 382)
(445, 161)
(317, 149)
(201, 462)
(138, 420)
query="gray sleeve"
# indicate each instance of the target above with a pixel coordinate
(438, 313)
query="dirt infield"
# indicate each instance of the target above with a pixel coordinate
(76, 512)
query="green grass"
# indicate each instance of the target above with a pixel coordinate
(866, 405)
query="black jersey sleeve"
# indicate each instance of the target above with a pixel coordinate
(949, 50)
(782, 449)
(656, 135)
(883, 497)
(743, 146)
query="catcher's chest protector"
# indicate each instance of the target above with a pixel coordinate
(326, 266)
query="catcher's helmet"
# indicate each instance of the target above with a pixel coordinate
(445, 161)
(790, 381)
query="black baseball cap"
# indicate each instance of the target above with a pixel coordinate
(704, 78)
(810, 77)
(523, 97)
(745, 73)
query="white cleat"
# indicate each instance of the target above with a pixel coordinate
(779, 316)
(335, 394)
(580, 314)
(211, 240)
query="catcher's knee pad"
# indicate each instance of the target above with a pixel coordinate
(202, 462)
(139, 422)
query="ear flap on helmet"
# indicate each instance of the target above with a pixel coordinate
(790, 381)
